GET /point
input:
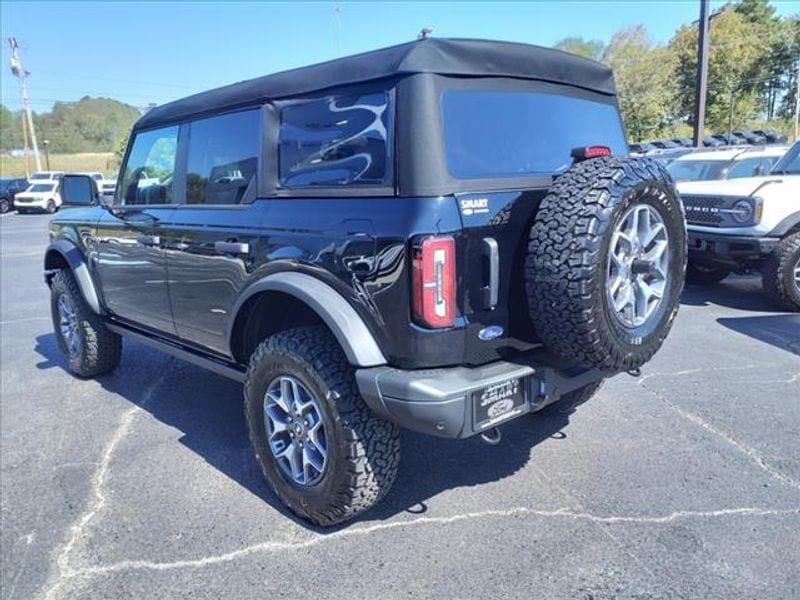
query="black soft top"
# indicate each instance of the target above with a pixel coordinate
(456, 57)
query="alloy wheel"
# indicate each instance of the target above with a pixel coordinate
(295, 432)
(638, 265)
(69, 326)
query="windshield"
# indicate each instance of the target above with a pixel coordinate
(697, 170)
(790, 163)
(42, 176)
(41, 187)
(509, 134)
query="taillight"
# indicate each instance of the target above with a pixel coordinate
(587, 152)
(434, 282)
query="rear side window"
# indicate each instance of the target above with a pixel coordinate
(336, 141)
(507, 134)
(149, 172)
(223, 158)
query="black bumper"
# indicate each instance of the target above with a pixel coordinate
(446, 402)
(728, 250)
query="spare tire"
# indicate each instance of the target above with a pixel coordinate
(606, 262)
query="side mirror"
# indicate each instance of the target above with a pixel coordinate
(79, 190)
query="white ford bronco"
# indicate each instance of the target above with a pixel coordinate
(748, 224)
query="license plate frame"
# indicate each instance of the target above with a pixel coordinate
(498, 402)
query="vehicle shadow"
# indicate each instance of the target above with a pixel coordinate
(207, 410)
(781, 331)
(738, 292)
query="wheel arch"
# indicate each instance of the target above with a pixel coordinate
(303, 300)
(63, 254)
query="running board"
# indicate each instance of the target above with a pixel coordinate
(217, 366)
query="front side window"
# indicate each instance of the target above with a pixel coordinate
(149, 172)
(790, 163)
(223, 158)
(335, 141)
(510, 134)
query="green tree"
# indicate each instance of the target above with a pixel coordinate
(10, 129)
(593, 49)
(645, 84)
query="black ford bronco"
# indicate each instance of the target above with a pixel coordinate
(442, 235)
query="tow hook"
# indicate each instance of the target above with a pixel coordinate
(635, 372)
(492, 437)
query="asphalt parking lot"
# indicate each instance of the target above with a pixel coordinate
(683, 483)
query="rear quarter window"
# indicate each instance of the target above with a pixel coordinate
(507, 134)
(336, 141)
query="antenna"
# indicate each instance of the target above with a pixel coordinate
(19, 71)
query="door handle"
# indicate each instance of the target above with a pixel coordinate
(232, 247)
(148, 240)
(492, 290)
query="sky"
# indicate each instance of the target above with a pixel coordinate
(147, 52)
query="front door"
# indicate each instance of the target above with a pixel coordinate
(130, 258)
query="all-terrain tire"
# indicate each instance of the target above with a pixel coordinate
(566, 264)
(363, 449)
(697, 274)
(571, 401)
(778, 273)
(100, 349)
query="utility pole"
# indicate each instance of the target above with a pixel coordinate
(702, 74)
(797, 104)
(47, 153)
(20, 73)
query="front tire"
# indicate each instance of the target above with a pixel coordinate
(350, 461)
(780, 274)
(83, 339)
(5, 205)
(51, 207)
(697, 274)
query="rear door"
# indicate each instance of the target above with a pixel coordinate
(131, 261)
(212, 235)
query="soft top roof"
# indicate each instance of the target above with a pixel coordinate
(459, 57)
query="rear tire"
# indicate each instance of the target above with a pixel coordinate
(570, 278)
(362, 451)
(697, 274)
(97, 350)
(780, 274)
(51, 207)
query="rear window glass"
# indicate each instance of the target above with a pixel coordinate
(334, 141)
(507, 134)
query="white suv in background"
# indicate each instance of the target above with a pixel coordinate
(748, 224)
(730, 163)
(41, 195)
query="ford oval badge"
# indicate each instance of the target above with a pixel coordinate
(490, 333)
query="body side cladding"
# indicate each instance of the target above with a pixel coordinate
(77, 263)
(347, 326)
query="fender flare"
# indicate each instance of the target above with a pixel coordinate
(786, 225)
(77, 263)
(348, 327)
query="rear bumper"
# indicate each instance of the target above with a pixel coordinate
(442, 402)
(728, 250)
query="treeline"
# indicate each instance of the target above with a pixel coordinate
(88, 125)
(751, 79)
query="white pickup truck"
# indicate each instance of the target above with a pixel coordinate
(748, 224)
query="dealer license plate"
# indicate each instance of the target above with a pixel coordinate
(498, 402)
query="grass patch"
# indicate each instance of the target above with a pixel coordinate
(105, 162)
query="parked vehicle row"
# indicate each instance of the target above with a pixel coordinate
(758, 137)
(42, 192)
(744, 224)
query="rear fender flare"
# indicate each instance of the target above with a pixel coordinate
(347, 326)
(77, 263)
